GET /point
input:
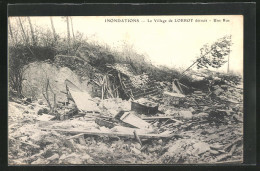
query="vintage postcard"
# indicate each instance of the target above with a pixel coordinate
(156, 89)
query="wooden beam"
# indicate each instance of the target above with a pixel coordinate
(111, 134)
(161, 117)
(75, 136)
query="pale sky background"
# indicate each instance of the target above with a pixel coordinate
(174, 44)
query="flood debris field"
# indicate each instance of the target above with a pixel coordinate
(77, 100)
(168, 127)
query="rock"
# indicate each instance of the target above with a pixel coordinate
(185, 114)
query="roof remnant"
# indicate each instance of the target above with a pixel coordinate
(82, 99)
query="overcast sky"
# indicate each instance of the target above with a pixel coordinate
(171, 43)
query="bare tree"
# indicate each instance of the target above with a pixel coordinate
(68, 33)
(53, 30)
(11, 32)
(23, 32)
(72, 29)
(45, 94)
(17, 64)
(32, 31)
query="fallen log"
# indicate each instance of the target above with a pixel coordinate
(111, 134)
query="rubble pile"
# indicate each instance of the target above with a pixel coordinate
(201, 127)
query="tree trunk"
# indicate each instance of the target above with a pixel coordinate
(32, 32)
(11, 32)
(72, 29)
(23, 32)
(68, 32)
(53, 30)
(193, 64)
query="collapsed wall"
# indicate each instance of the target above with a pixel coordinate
(37, 73)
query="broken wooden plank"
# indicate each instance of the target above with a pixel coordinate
(156, 117)
(82, 99)
(75, 136)
(161, 117)
(134, 120)
(165, 122)
(111, 134)
(137, 137)
(127, 130)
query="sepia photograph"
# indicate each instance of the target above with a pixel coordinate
(152, 89)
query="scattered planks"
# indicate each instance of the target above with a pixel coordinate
(111, 134)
